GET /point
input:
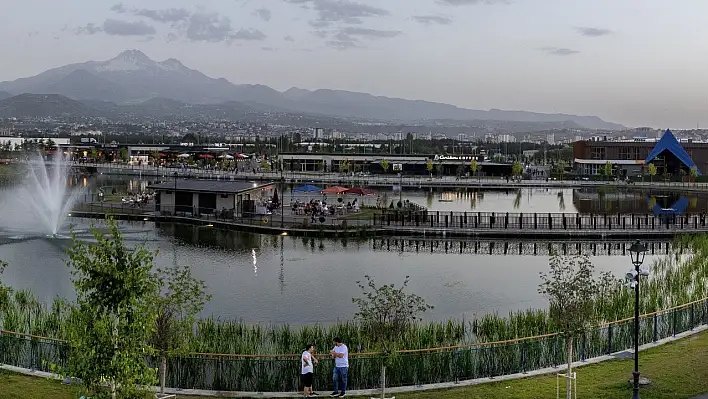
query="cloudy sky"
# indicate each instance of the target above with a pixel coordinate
(636, 62)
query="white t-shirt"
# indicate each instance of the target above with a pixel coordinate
(306, 363)
(341, 361)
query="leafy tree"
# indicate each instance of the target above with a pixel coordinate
(320, 165)
(572, 292)
(429, 166)
(385, 314)
(182, 298)
(652, 171)
(384, 165)
(607, 169)
(517, 169)
(344, 166)
(190, 138)
(265, 164)
(694, 173)
(112, 318)
(123, 154)
(4, 290)
(474, 166)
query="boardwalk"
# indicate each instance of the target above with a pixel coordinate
(424, 223)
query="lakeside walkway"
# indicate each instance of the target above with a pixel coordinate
(370, 180)
(385, 222)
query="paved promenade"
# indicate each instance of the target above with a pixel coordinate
(370, 180)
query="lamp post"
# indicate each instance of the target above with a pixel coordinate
(637, 252)
(174, 195)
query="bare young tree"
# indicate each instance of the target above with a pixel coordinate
(572, 291)
(385, 313)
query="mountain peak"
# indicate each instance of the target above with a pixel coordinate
(133, 55)
(129, 60)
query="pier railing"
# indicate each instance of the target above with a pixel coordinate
(537, 221)
(280, 373)
(417, 219)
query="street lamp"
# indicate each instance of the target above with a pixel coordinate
(637, 252)
(174, 195)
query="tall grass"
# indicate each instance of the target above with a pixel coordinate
(678, 278)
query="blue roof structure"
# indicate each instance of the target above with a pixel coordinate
(677, 208)
(308, 188)
(669, 143)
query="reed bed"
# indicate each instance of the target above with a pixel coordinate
(231, 355)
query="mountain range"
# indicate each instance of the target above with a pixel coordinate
(132, 78)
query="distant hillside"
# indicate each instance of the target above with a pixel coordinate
(44, 106)
(4, 95)
(133, 78)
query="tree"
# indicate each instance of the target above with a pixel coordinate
(607, 169)
(572, 291)
(385, 314)
(112, 318)
(265, 164)
(429, 166)
(320, 165)
(517, 169)
(652, 171)
(123, 154)
(182, 298)
(473, 166)
(384, 165)
(4, 290)
(694, 173)
(344, 166)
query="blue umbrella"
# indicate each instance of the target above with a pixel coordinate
(308, 188)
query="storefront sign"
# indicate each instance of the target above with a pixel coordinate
(454, 157)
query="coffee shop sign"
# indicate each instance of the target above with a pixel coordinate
(454, 157)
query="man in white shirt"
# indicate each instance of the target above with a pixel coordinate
(340, 353)
(307, 363)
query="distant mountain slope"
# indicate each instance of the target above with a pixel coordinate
(4, 95)
(133, 78)
(43, 106)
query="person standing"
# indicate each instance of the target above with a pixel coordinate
(340, 353)
(308, 362)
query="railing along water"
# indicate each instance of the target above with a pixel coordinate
(278, 373)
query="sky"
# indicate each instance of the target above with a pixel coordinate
(635, 62)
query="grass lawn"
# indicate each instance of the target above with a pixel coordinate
(363, 214)
(679, 370)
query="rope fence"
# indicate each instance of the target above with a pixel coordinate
(281, 372)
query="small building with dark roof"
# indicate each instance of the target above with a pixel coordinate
(205, 197)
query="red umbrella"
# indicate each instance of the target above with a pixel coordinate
(206, 156)
(334, 190)
(360, 191)
(162, 154)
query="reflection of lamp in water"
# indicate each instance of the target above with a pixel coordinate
(255, 268)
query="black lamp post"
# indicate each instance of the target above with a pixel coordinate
(637, 252)
(174, 195)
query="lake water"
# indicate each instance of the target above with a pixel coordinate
(277, 279)
(283, 279)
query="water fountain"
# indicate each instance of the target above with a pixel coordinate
(41, 202)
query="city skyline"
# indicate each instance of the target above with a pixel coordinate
(633, 63)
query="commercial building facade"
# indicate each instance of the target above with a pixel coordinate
(631, 157)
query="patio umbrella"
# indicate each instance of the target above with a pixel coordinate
(276, 200)
(360, 191)
(162, 154)
(334, 190)
(183, 156)
(226, 156)
(308, 188)
(241, 156)
(206, 156)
